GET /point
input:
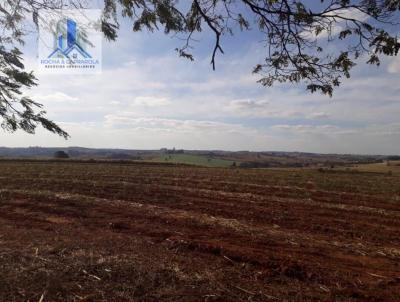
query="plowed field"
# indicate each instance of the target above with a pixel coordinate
(148, 232)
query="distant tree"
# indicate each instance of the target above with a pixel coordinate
(297, 36)
(61, 155)
(175, 151)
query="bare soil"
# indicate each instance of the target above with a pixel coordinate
(120, 232)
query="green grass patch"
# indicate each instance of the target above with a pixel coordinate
(391, 167)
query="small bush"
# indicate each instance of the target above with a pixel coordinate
(61, 154)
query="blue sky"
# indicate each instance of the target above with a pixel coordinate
(148, 98)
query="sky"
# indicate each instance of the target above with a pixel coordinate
(148, 98)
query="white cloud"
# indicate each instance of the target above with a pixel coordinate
(394, 65)
(367, 132)
(349, 13)
(260, 108)
(129, 120)
(315, 129)
(338, 25)
(311, 35)
(149, 101)
(319, 115)
(131, 63)
(247, 104)
(384, 130)
(58, 97)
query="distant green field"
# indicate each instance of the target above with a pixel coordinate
(392, 166)
(193, 160)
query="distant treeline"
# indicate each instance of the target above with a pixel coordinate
(258, 164)
(172, 151)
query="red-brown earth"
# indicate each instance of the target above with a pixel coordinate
(144, 232)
